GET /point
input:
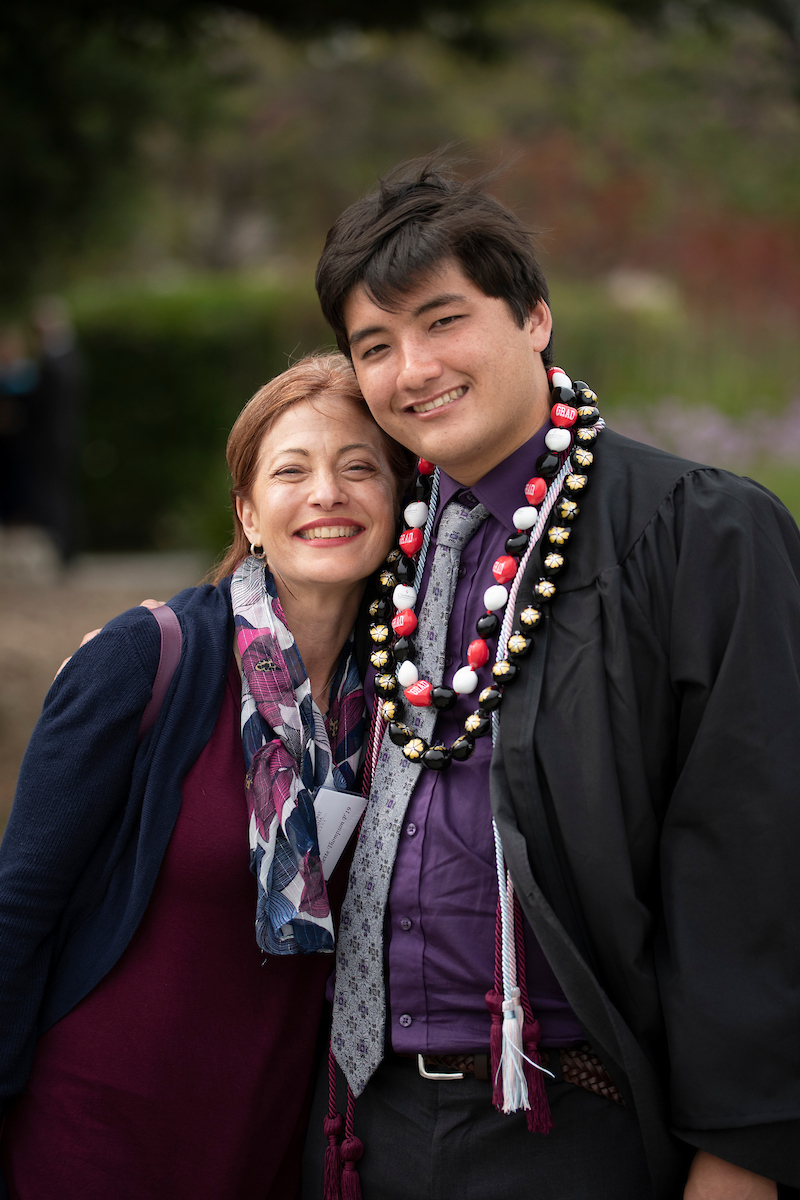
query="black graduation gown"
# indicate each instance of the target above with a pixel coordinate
(646, 789)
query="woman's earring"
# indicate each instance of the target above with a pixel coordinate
(254, 548)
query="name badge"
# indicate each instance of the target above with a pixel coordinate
(337, 813)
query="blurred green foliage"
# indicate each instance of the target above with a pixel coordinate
(168, 372)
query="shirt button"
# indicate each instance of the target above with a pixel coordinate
(448, 660)
(411, 829)
(405, 1020)
(462, 572)
(405, 923)
(469, 499)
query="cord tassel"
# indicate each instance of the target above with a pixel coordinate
(333, 1126)
(538, 1114)
(515, 1088)
(494, 1003)
(352, 1149)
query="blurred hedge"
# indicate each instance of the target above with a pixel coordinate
(167, 374)
(169, 371)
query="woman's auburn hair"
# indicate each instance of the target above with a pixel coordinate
(322, 374)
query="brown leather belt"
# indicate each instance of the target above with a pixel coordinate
(579, 1065)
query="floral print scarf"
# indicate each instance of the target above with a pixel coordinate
(290, 750)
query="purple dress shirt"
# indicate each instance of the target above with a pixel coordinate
(440, 925)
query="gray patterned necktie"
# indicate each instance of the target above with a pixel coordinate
(359, 1007)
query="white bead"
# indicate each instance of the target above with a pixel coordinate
(557, 440)
(525, 518)
(560, 379)
(495, 597)
(403, 597)
(465, 681)
(416, 514)
(407, 673)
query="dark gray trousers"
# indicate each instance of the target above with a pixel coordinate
(444, 1141)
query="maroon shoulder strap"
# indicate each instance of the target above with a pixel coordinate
(171, 643)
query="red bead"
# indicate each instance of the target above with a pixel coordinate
(410, 541)
(419, 693)
(505, 568)
(425, 468)
(404, 623)
(554, 371)
(477, 653)
(535, 490)
(563, 415)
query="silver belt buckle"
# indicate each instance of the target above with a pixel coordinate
(439, 1075)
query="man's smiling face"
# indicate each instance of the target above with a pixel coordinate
(449, 373)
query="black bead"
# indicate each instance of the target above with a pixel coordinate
(586, 436)
(381, 609)
(477, 724)
(563, 395)
(546, 464)
(576, 484)
(504, 671)
(386, 685)
(386, 582)
(399, 733)
(519, 644)
(414, 748)
(582, 458)
(544, 590)
(405, 570)
(392, 710)
(422, 488)
(437, 758)
(531, 617)
(380, 633)
(488, 625)
(403, 649)
(588, 414)
(554, 563)
(393, 556)
(567, 509)
(443, 698)
(382, 659)
(489, 699)
(462, 748)
(517, 543)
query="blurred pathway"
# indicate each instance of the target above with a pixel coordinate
(43, 616)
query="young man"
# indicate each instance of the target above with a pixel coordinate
(642, 780)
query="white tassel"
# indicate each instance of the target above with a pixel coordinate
(515, 1085)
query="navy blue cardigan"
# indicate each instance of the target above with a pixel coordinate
(94, 812)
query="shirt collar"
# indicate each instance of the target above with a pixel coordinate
(502, 490)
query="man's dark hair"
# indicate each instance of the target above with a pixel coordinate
(420, 216)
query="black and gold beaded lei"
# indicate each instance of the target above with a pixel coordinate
(574, 409)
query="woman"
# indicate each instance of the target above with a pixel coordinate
(155, 1051)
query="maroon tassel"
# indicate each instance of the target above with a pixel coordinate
(494, 1003)
(352, 1149)
(538, 1115)
(332, 1187)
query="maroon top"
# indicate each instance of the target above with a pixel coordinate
(186, 1071)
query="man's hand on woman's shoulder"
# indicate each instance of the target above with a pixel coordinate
(87, 637)
(711, 1178)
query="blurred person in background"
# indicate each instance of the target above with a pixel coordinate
(56, 429)
(152, 1045)
(19, 380)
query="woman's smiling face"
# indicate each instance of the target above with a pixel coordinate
(323, 502)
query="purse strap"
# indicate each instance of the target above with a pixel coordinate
(169, 656)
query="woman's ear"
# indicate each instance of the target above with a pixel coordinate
(249, 519)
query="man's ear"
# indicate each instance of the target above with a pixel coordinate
(249, 519)
(541, 325)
